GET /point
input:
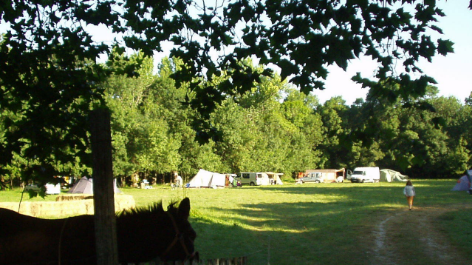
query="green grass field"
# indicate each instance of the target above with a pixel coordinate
(301, 224)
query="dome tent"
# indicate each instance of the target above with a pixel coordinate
(389, 175)
(463, 184)
(208, 179)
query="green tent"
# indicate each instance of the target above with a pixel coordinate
(390, 175)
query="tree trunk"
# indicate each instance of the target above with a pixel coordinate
(104, 200)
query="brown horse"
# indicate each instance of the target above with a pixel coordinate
(143, 234)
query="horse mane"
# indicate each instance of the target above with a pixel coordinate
(154, 208)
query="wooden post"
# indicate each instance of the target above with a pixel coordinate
(104, 200)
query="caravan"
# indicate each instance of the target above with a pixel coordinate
(253, 178)
(324, 175)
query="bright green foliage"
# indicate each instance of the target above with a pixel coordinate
(298, 109)
(258, 133)
(333, 148)
(140, 125)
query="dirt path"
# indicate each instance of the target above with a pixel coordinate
(414, 237)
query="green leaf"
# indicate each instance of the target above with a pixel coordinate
(445, 47)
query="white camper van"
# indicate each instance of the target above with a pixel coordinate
(253, 178)
(366, 174)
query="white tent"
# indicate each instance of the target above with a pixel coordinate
(463, 184)
(208, 179)
(389, 175)
(85, 186)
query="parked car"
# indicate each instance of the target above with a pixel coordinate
(313, 177)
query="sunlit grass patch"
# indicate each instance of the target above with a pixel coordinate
(298, 224)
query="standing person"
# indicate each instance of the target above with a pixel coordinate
(235, 182)
(177, 180)
(409, 192)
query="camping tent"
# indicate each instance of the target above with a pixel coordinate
(389, 175)
(207, 179)
(462, 184)
(85, 186)
(274, 178)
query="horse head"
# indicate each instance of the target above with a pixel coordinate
(182, 245)
(150, 233)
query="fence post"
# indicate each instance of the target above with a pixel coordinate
(103, 192)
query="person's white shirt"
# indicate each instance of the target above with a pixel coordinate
(178, 180)
(409, 191)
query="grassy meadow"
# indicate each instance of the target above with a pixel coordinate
(301, 224)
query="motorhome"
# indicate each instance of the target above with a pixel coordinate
(366, 174)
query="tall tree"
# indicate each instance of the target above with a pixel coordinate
(299, 109)
(452, 117)
(333, 149)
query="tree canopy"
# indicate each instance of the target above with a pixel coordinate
(49, 78)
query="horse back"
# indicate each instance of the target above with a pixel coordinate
(25, 239)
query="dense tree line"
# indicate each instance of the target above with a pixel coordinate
(271, 127)
(275, 127)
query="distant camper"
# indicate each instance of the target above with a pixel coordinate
(324, 175)
(366, 174)
(253, 178)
